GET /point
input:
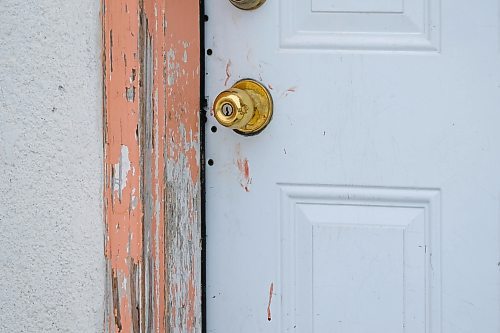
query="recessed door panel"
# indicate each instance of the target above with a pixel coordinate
(360, 259)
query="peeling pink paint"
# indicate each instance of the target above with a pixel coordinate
(182, 174)
(123, 242)
(151, 113)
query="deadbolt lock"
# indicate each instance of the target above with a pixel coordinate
(246, 107)
(247, 4)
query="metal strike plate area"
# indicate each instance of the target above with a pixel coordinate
(247, 4)
(246, 107)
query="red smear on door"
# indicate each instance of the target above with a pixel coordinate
(244, 168)
(270, 300)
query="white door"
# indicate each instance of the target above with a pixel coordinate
(371, 202)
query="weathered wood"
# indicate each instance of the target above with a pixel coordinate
(152, 173)
(183, 166)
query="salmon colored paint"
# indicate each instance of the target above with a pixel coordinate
(183, 161)
(151, 60)
(123, 242)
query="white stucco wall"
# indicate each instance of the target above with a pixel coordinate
(51, 229)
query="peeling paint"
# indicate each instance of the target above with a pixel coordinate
(183, 214)
(185, 55)
(123, 241)
(152, 153)
(130, 93)
(182, 151)
(120, 172)
(173, 68)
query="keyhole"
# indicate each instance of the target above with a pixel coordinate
(227, 109)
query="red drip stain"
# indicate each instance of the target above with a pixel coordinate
(228, 72)
(244, 169)
(269, 303)
(244, 173)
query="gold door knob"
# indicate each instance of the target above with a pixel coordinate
(246, 107)
(247, 4)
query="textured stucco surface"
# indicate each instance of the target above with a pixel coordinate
(51, 231)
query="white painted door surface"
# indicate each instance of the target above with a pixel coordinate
(371, 203)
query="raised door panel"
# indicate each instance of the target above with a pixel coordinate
(371, 6)
(364, 25)
(360, 259)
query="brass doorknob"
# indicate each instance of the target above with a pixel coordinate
(247, 4)
(246, 107)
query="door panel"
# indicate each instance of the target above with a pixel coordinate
(371, 201)
(359, 250)
(360, 25)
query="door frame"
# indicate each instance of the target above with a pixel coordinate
(152, 53)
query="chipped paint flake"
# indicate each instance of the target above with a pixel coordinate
(130, 93)
(121, 170)
(173, 67)
(185, 55)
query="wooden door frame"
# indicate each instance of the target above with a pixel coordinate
(153, 140)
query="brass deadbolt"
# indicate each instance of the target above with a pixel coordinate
(247, 4)
(246, 107)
